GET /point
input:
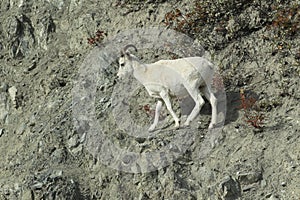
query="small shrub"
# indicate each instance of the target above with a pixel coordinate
(97, 39)
(219, 22)
(251, 111)
(286, 20)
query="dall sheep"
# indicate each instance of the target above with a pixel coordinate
(166, 78)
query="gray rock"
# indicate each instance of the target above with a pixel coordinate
(229, 189)
(249, 177)
(4, 106)
(73, 141)
(12, 91)
(3, 87)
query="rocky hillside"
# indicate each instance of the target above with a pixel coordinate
(48, 52)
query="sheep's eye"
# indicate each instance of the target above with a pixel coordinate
(122, 64)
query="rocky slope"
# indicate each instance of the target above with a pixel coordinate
(44, 47)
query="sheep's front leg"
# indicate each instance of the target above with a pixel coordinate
(156, 117)
(165, 97)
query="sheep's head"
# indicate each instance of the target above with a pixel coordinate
(125, 62)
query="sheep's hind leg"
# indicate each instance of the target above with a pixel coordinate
(213, 102)
(156, 117)
(199, 101)
(165, 97)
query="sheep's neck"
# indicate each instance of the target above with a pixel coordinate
(139, 71)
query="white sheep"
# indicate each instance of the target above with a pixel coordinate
(166, 78)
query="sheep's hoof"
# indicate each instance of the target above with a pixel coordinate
(186, 124)
(151, 128)
(177, 125)
(211, 126)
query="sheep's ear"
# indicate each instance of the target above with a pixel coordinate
(128, 56)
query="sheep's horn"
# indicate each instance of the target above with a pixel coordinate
(128, 46)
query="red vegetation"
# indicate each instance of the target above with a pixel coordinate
(97, 39)
(252, 116)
